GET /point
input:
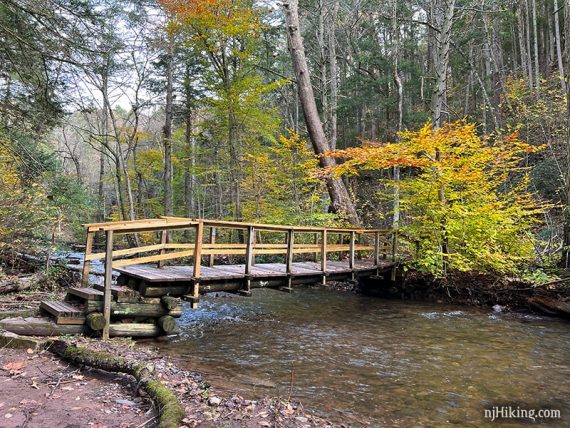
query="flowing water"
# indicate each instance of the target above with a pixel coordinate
(359, 359)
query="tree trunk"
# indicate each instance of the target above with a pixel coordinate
(444, 21)
(340, 199)
(529, 62)
(566, 227)
(333, 68)
(559, 46)
(167, 131)
(536, 59)
(400, 124)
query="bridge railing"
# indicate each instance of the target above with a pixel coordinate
(381, 243)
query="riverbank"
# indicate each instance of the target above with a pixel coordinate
(479, 290)
(41, 389)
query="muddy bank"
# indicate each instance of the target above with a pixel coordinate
(472, 289)
(44, 390)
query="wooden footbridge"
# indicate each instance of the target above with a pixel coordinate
(161, 261)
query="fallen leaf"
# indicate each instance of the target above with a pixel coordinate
(8, 415)
(30, 351)
(35, 385)
(14, 366)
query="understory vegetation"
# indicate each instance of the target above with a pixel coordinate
(446, 121)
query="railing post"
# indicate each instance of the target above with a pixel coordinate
(394, 245)
(108, 283)
(351, 254)
(87, 263)
(197, 264)
(289, 261)
(212, 241)
(163, 241)
(249, 257)
(324, 255)
(316, 241)
(376, 248)
(394, 254)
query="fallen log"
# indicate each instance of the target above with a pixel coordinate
(169, 409)
(134, 330)
(95, 321)
(550, 306)
(170, 303)
(13, 284)
(127, 310)
(167, 324)
(37, 326)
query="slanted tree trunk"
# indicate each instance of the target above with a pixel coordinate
(340, 199)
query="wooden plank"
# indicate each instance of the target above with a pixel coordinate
(324, 237)
(151, 259)
(129, 251)
(377, 248)
(249, 250)
(198, 249)
(140, 225)
(290, 243)
(351, 250)
(212, 242)
(270, 227)
(108, 283)
(118, 291)
(163, 242)
(60, 309)
(85, 293)
(197, 265)
(86, 262)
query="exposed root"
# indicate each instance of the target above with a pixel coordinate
(170, 410)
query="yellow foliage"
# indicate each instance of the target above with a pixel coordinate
(467, 190)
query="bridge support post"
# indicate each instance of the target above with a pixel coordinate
(197, 264)
(108, 283)
(87, 263)
(351, 255)
(324, 238)
(249, 259)
(212, 241)
(163, 241)
(289, 260)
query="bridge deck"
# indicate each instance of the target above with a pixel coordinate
(170, 274)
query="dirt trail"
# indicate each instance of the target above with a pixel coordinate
(39, 390)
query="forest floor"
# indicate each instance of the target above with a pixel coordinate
(39, 389)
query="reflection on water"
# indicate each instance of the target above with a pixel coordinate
(360, 359)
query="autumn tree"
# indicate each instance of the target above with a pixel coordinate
(489, 212)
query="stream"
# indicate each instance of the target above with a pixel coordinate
(362, 360)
